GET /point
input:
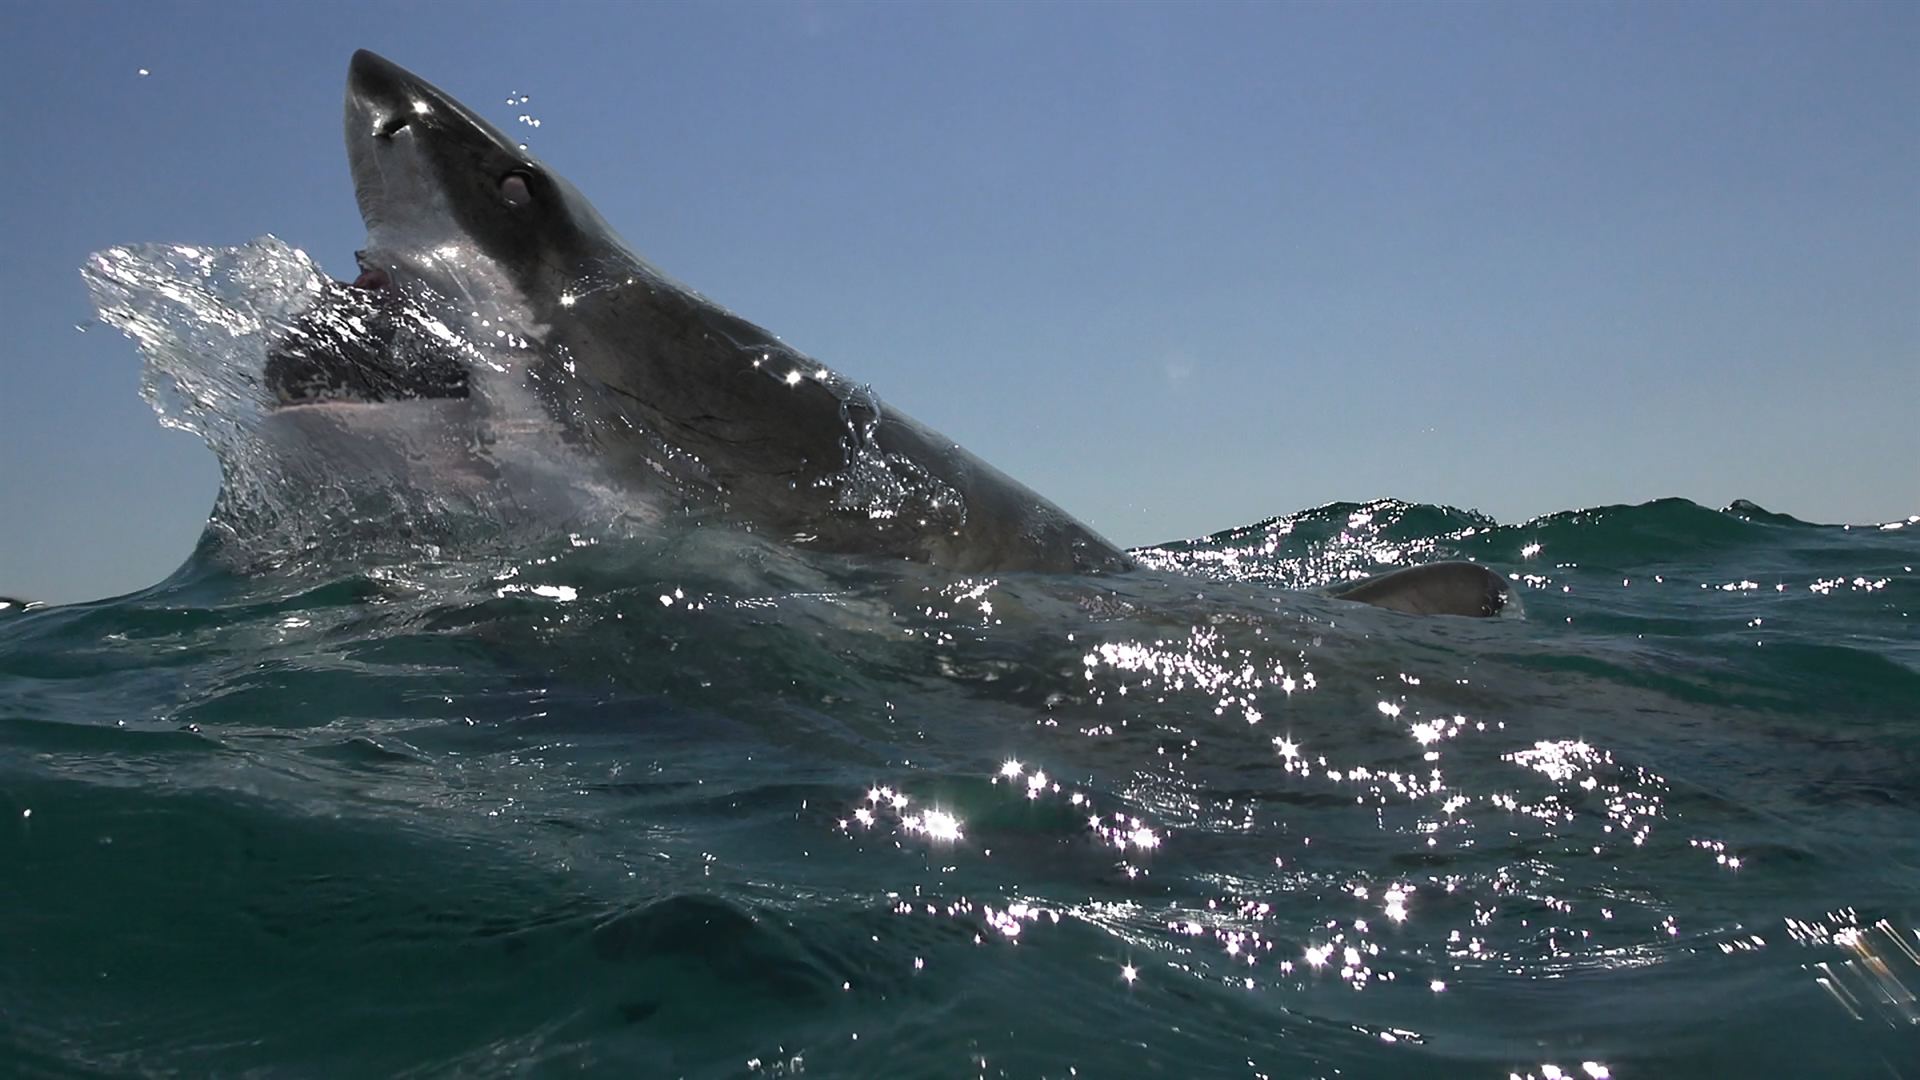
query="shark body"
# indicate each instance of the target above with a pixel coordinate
(492, 292)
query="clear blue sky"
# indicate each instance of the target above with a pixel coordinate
(1177, 266)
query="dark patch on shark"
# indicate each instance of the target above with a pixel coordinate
(674, 397)
(342, 349)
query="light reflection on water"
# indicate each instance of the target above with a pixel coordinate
(1463, 851)
(1011, 817)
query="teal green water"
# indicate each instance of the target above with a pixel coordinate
(612, 809)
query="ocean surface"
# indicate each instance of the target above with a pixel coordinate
(373, 788)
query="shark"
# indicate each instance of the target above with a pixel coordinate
(491, 291)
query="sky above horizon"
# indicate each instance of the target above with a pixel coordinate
(1179, 267)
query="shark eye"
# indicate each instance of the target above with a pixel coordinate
(514, 190)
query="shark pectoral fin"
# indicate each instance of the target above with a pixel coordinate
(1444, 588)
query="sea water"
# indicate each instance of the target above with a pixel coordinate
(606, 801)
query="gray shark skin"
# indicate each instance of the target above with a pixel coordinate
(669, 395)
(531, 306)
(1442, 588)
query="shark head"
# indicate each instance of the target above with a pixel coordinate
(445, 195)
(473, 246)
(546, 305)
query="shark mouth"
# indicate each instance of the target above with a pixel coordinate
(372, 278)
(360, 340)
(347, 347)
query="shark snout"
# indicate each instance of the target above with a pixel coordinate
(382, 97)
(401, 133)
(385, 99)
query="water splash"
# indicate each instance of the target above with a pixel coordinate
(312, 484)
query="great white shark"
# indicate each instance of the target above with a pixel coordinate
(533, 306)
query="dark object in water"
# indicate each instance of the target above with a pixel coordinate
(1443, 588)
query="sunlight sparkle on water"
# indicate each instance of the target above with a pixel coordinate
(562, 593)
(937, 824)
(1396, 906)
(1201, 663)
(1549, 1071)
